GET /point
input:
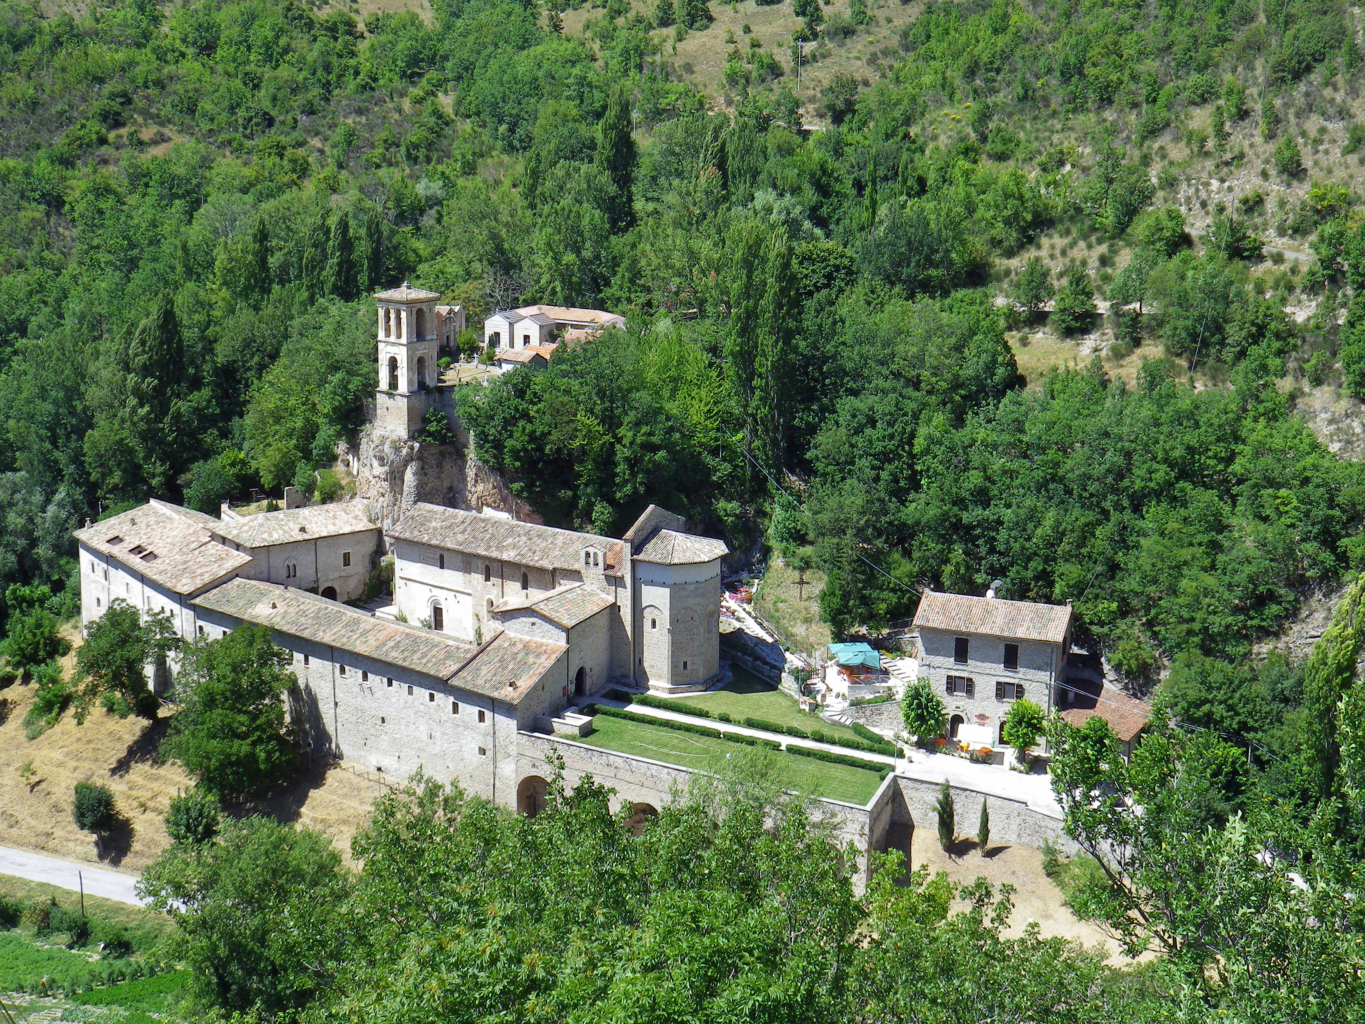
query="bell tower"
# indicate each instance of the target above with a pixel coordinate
(408, 341)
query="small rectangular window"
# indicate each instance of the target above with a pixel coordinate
(345, 558)
(364, 677)
(482, 752)
(1012, 657)
(381, 719)
(409, 691)
(390, 680)
(97, 604)
(431, 697)
(305, 661)
(960, 650)
(481, 716)
(454, 707)
(342, 669)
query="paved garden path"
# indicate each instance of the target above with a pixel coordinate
(40, 867)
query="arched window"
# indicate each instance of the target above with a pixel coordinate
(421, 323)
(388, 323)
(421, 371)
(653, 623)
(291, 570)
(438, 617)
(440, 561)
(393, 373)
(594, 558)
(525, 582)
(487, 574)
(495, 340)
(488, 609)
(587, 558)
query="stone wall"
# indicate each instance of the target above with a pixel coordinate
(1013, 822)
(898, 801)
(884, 717)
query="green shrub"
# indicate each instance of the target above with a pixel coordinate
(38, 914)
(53, 696)
(723, 717)
(193, 817)
(878, 743)
(11, 911)
(93, 807)
(947, 816)
(71, 923)
(882, 770)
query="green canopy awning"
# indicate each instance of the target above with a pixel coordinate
(856, 654)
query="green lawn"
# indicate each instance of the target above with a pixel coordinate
(24, 960)
(749, 696)
(801, 774)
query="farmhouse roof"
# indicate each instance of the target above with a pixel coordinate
(286, 526)
(406, 293)
(566, 315)
(501, 539)
(1022, 620)
(1126, 715)
(169, 545)
(565, 606)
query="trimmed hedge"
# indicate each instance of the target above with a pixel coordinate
(697, 730)
(879, 743)
(882, 770)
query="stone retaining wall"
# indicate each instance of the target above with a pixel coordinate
(885, 717)
(898, 801)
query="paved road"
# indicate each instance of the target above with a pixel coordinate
(39, 867)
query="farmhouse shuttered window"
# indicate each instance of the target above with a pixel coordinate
(1012, 657)
(959, 686)
(1008, 691)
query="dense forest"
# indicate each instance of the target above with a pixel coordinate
(822, 358)
(198, 199)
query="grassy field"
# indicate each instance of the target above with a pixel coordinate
(793, 609)
(144, 927)
(22, 960)
(799, 774)
(751, 697)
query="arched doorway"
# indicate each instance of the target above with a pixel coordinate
(954, 724)
(531, 795)
(330, 593)
(393, 373)
(421, 371)
(639, 815)
(438, 617)
(580, 682)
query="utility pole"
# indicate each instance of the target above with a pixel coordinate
(799, 44)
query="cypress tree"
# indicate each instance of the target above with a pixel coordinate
(616, 156)
(983, 828)
(947, 816)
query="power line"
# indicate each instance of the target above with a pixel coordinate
(802, 507)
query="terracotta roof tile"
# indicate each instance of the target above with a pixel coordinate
(169, 545)
(406, 293)
(508, 659)
(1126, 715)
(285, 526)
(501, 539)
(566, 606)
(668, 547)
(298, 613)
(1023, 620)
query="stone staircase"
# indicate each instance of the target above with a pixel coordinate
(903, 670)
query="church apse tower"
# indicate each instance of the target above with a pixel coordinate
(408, 346)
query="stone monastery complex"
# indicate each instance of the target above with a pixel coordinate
(498, 628)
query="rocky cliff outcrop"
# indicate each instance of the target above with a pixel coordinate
(392, 475)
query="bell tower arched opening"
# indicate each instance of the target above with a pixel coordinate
(393, 373)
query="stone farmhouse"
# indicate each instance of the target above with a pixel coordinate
(534, 327)
(984, 653)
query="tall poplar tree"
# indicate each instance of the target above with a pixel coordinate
(616, 156)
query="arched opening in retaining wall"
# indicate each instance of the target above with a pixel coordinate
(639, 815)
(580, 682)
(531, 795)
(330, 593)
